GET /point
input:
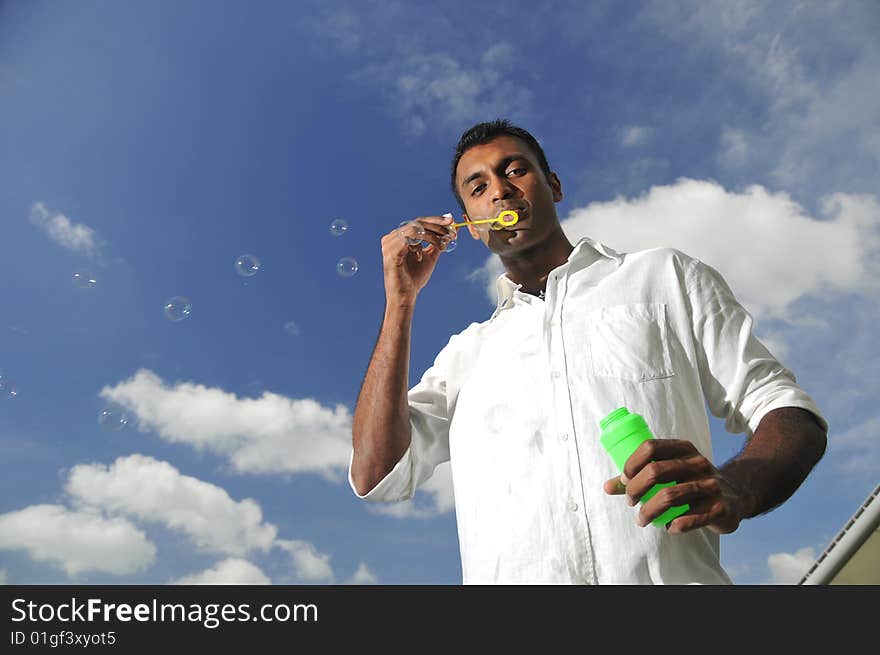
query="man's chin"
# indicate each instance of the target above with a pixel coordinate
(504, 241)
(516, 236)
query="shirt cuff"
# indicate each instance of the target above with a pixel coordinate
(787, 401)
(396, 485)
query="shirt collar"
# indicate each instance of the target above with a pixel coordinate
(585, 247)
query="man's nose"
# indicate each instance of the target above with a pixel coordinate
(502, 189)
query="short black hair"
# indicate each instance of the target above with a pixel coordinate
(484, 133)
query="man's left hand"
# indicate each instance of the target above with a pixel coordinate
(714, 501)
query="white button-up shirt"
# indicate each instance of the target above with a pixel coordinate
(514, 403)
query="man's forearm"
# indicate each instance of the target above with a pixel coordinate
(380, 426)
(781, 453)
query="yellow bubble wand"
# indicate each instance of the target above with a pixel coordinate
(514, 217)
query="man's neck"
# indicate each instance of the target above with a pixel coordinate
(532, 267)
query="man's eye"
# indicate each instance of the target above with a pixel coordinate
(479, 187)
(515, 170)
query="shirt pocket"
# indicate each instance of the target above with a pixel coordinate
(629, 342)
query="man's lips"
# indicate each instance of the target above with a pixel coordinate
(521, 213)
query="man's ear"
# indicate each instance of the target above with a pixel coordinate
(471, 228)
(555, 186)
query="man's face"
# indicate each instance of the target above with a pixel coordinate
(505, 174)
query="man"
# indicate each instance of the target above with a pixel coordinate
(514, 402)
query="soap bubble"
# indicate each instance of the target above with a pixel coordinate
(291, 328)
(481, 227)
(451, 239)
(418, 230)
(338, 227)
(83, 280)
(347, 266)
(247, 265)
(113, 418)
(7, 388)
(177, 308)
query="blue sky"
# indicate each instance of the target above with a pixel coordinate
(149, 145)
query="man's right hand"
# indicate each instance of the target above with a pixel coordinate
(408, 267)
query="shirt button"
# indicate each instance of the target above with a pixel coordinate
(573, 506)
(563, 436)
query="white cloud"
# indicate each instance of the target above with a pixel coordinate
(738, 571)
(340, 26)
(363, 576)
(635, 135)
(789, 568)
(425, 86)
(752, 237)
(776, 343)
(813, 66)
(270, 434)
(435, 496)
(155, 491)
(858, 448)
(76, 541)
(436, 88)
(229, 571)
(748, 34)
(266, 435)
(734, 147)
(91, 538)
(414, 65)
(309, 565)
(842, 118)
(72, 236)
(487, 274)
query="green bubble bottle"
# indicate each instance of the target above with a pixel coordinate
(623, 432)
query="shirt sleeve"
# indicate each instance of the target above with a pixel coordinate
(429, 424)
(741, 380)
